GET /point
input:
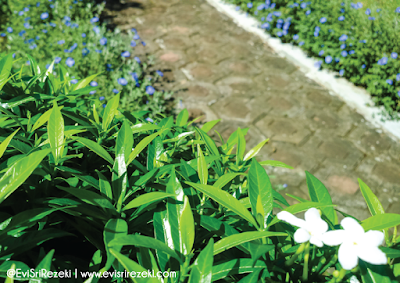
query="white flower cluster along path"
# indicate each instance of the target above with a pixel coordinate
(224, 71)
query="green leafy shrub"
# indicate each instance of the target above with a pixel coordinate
(359, 42)
(100, 189)
(69, 33)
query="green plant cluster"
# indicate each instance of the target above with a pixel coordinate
(70, 33)
(88, 188)
(360, 42)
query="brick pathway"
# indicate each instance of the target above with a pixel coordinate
(221, 71)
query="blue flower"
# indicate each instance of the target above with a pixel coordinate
(21, 13)
(363, 66)
(273, 6)
(61, 41)
(398, 77)
(277, 13)
(390, 82)
(143, 43)
(149, 120)
(368, 11)
(342, 4)
(279, 34)
(101, 98)
(125, 54)
(94, 20)
(337, 59)
(53, 25)
(328, 59)
(316, 34)
(343, 46)
(74, 81)
(398, 10)
(383, 61)
(52, 6)
(160, 73)
(44, 30)
(378, 10)
(44, 15)
(98, 50)
(96, 30)
(136, 37)
(70, 62)
(57, 60)
(3, 34)
(115, 90)
(85, 51)
(351, 52)
(237, 8)
(133, 43)
(321, 53)
(103, 41)
(134, 30)
(83, 35)
(122, 81)
(301, 43)
(92, 92)
(363, 41)
(135, 76)
(21, 33)
(371, 18)
(27, 19)
(394, 55)
(322, 20)
(318, 64)
(342, 10)
(341, 72)
(303, 5)
(344, 53)
(150, 90)
(26, 25)
(26, 9)
(10, 29)
(104, 105)
(37, 4)
(308, 12)
(296, 37)
(398, 93)
(67, 19)
(265, 26)
(250, 5)
(261, 7)
(137, 59)
(341, 18)
(93, 83)
(343, 37)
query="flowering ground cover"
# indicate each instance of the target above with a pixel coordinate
(70, 34)
(359, 41)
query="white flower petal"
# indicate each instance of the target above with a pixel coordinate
(371, 254)
(319, 227)
(372, 238)
(301, 236)
(291, 219)
(352, 226)
(312, 215)
(316, 241)
(334, 238)
(347, 255)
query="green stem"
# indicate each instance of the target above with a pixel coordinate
(306, 258)
(342, 273)
(290, 261)
(330, 263)
(394, 235)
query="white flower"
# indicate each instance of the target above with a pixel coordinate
(311, 229)
(355, 243)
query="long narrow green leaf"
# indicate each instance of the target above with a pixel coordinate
(381, 221)
(96, 148)
(146, 242)
(236, 266)
(84, 82)
(209, 125)
(225, 179)
(202, 267)
(202, 166)
(55, 131)
(146, 199)
(255, 150)
(319, 193)
(275, 163)
(89, 197)
(186, 227)
(133, 268)
(110, 111)
(34, 66)
(5, 143)
(238, 239)
(182, 118)
(260, 192)
(5, 69)
(225, 199)
(241, 146)
(373, 203)
(114, 229)
(19, 172)
(142, 144)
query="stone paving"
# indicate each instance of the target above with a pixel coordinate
(222, 72)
